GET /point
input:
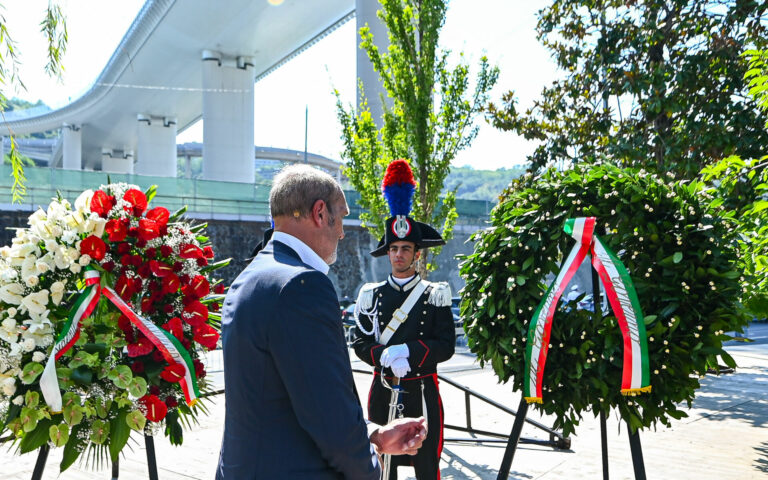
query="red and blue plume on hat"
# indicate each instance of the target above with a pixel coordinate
(398, 187)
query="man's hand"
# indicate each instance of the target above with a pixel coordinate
(403, 436)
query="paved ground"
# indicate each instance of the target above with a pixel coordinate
(725, 436)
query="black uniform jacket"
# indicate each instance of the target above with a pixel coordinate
(428, 331)
(291, 407)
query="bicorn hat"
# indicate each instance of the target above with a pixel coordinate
(398, 188)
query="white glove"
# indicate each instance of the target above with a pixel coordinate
(390, 354)
(400, 367)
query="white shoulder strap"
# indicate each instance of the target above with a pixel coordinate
(401, 314)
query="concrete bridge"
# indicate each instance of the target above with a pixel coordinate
(185, 60)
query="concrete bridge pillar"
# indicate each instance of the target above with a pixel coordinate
(156, 149)
(71, 147)
(116, 161)
(365, 13)
(228, 118)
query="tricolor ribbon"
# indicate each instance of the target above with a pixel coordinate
(621, 296)
(169, 346)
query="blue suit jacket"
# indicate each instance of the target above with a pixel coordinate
(291, 407)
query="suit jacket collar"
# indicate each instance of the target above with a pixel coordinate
(305, 254)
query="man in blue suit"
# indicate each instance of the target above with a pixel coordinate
(292, 410)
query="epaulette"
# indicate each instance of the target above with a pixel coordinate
(365, 297)
(440, 295)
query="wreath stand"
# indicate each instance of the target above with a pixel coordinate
(149, 442)
(522, 411)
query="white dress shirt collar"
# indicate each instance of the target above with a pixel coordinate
(306, 254)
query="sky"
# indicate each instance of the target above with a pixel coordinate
(503, 30)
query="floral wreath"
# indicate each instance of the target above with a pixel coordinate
(114, 305)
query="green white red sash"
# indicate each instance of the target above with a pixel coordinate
(621, 296)
(172, 350)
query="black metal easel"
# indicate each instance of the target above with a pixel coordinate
(149, 442)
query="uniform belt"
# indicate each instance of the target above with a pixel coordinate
(405, 379)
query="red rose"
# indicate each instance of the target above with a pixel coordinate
(199, 368)
(214, 307)
(206, 336)
(164, 230)
(175, 327)
(151, 252)
(141, 243)
(124, 324)
(201, 262)
(166, 250)
(148, 229)
(195, 313)
(171, 283)
(219, 288)
(117, 230)
(142, 347)
(190, 251)
(159, 215)
(94, 247)
(168, 309)
(144, 271)
(136, 260)
(137, 283)
(154, 390)
(101, 203)
(133, 232)
(173, 373)
(185, 343)
(156, 409)
(171, 402)
(208, 252)
(137, 366)
(138, 201)
(126, 260)
(108, 266)
(178, 266)
(123, 248)
(184, 279)
(124, 287)
(157, 356)
(160, 269)
(200, 286)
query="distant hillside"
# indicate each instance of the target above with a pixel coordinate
(474, 184)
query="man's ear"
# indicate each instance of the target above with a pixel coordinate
(319, 211)
(417, 254)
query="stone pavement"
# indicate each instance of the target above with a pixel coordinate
(724, 437)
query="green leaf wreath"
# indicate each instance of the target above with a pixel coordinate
(680, 251)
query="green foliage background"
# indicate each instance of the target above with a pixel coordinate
(681, 253)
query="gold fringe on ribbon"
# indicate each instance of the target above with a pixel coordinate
(533, 400)
(635, 391)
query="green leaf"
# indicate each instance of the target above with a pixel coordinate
(30, 372)
(36, 438)
(119, 433)
(521, 279)
(677, 257)
(215, 266)
(728, 359)
(82, 375)
(649, 319)
(151, 192)
(136, 420)
(527, 263)
(59, 434)
(75, 445)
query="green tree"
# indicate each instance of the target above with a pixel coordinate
(652, 83)
(54, 27)
(430, 119)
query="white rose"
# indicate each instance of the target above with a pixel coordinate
(19, 400)
(73, 253)
(75, 268)
(9, 386)
(32, 281)
(8, 275)
(69, 236)
(83, 202)
(36, 302)
(5, 252)
(62, 260)
(84, 260)
(12, 293)
(38, 357)
(57, 292)
(28, 344)
(11, 312)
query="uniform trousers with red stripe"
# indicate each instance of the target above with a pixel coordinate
(426, 462)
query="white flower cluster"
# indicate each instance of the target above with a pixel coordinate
(34, 271)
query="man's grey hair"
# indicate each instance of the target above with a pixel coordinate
(296, 188)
